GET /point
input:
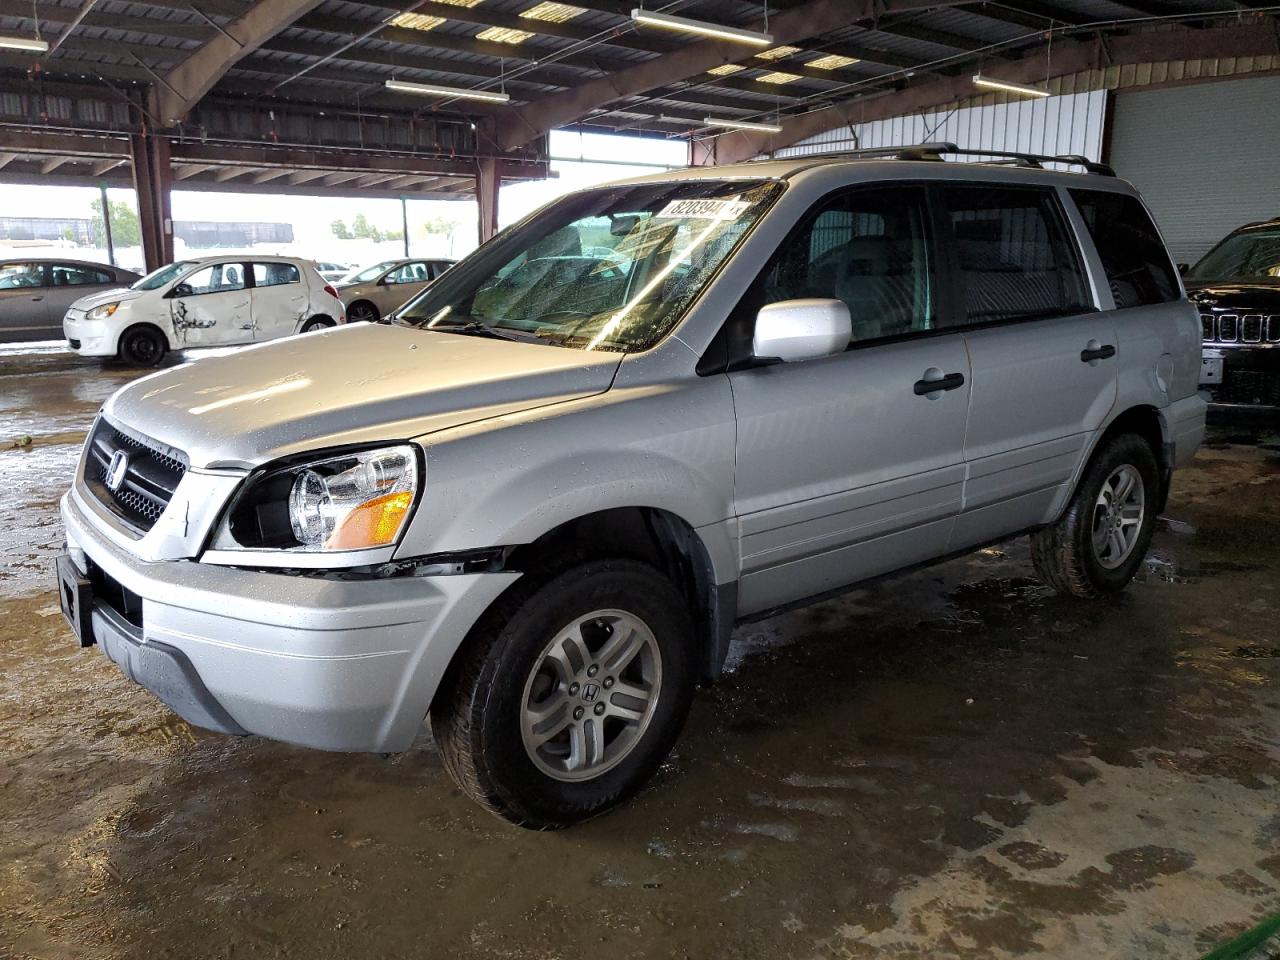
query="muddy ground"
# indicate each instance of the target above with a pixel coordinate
(954, 763)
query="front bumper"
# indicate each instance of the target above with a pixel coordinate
(89, 338)
(337, 664)
(1250, 375)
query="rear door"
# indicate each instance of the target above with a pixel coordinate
(211, 307)
(280, 299)
(850, 466)
(1043, 356)
(24, 311)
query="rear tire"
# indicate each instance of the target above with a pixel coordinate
(569, 695)
(316, 323)
(143, 346)
(1099, 542)
(362, 311)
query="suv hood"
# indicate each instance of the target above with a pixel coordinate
(362, 384)
(118, 295)
(1253, 297)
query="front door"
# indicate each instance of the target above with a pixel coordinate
(24, 311)
(851, 466)
(280, 299)
(1043, 355)
(398, 286)
(211, 307)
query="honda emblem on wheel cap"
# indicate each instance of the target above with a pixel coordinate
(590, 692)
(116, 470)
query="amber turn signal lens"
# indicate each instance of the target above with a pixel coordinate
(374, 523)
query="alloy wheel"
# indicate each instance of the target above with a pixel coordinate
(1117, 516)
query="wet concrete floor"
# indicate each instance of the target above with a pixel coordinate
(953, 763)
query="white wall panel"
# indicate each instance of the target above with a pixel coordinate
(1068, 123)
(1203, 155)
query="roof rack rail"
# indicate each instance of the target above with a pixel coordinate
(936, 151)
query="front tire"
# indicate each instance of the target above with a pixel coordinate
(143, 346)
(1098, 544)
(570, 694)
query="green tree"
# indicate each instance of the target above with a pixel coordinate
(340, 230)
(360, 227)
(125, 229)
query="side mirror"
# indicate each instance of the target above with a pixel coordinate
(181, 290)
(1183, 268)
(792, 330)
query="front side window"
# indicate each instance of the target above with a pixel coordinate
(868, 248)
(16, 276)
(275, 274)
(370, 273)
(159, 278)
(75, 275)
(1133, 256)
(1016, 259)
(1251, 256)
(409, 273)
(613, 268)
(215, 278)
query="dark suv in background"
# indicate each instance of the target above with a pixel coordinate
(1236, 287)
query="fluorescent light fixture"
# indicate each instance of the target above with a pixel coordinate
(685, 25)
(22, 43)
(435, 90)
(727, 69)
(777, 53)
(553, 12)
(832, 61)
(1008, 86)
(742, 125)
(503, 35)
(777, 76)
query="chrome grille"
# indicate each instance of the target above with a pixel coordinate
(150, 476)
(1234, 328)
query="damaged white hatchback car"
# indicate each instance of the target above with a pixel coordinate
(203, 302)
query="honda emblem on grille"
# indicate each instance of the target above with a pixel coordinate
(116, 470)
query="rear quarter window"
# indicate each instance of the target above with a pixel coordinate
(1133, 256)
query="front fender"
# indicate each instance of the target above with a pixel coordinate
(510, 480)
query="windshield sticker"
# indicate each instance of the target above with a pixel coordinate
(730, 209)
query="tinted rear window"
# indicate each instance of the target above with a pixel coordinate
(1134, 258)
(1016, 260)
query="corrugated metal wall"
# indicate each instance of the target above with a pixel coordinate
(1204, 156)
(1067, 123)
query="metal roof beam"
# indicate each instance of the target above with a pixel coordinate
(813, 18)
(184, 85)
(1070, 55)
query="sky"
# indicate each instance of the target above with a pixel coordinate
(588, 159)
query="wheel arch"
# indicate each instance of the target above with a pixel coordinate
(313, 317)
(1147, 422)
(654, 536)
(142, 324)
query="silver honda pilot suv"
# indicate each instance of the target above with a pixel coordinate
(534, 507)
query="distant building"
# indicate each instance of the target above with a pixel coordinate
(51, 229)
(210, 233)
(202, 234)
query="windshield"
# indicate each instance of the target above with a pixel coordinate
(1254, 255)
(370, 273)
(614, 268)
(158, 278)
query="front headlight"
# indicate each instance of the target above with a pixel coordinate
(102, 311)
(349, 501)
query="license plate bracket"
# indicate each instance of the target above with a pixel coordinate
(75, 597)
(1211, 368)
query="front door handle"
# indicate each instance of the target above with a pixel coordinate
(37, 299)
(1093, 352)
(936, 384)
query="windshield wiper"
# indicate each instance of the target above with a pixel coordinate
(471, 327)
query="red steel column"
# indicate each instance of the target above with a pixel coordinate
(153, 181)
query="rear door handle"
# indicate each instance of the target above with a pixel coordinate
(1090, 354)
(952, 381)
